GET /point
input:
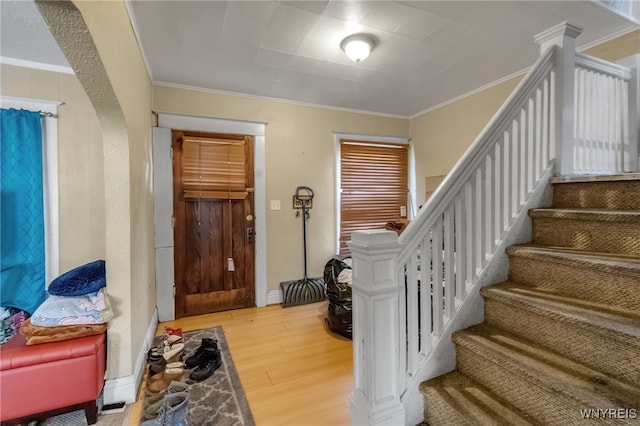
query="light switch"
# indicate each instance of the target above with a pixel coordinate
(275, 204)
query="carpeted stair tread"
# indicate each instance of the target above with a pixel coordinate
(588, 214)
(621, 192)
(610, 231)
(609, 279)
(533, 365)
(621, 177)
(609, 262)
(597, 336)
(591, 314)
(455, 399)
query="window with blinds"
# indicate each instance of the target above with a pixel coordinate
(213, 168)
(373, 186)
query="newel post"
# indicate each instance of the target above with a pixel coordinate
(564, 36)
(376, 326)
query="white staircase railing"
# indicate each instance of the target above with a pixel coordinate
(463, 224)
(601, 128)
(410, 293)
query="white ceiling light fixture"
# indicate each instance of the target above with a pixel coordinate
(358, 46)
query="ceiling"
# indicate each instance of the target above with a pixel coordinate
(427, 53)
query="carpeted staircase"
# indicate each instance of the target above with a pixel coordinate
(561, 338)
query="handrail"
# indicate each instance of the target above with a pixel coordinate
(603, 67)
(469, 161)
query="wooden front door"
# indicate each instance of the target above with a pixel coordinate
(213, 222)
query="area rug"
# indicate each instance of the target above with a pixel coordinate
(77, 418)
(220, 399)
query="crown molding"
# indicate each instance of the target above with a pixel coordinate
(285, 101)
(35, 65)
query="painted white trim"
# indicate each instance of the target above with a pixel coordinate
(274, 297)
(51, 198)
(50, 178)
(411, 199)
(601, 66)
(371, 138)
(136, 33)
(412, 209)
(337, 191)
(210, 124)
(257, 129)
(162, 219)
(472, 92)
(260, 206)
(270, 99)
(125, 389)
(122, 389)
(30, 103)
(35, 65)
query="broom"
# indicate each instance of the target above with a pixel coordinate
(306, 290)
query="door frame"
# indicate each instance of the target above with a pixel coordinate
(163, 200)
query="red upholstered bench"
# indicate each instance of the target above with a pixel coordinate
(51, 378)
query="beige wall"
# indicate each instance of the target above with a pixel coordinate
(620, 47)
(441, 136)
(89, 194)
(299, 151)
(132, 232)
(80, 160)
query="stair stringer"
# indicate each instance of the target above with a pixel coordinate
(442, 358)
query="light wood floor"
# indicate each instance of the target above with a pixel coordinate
(293, 370)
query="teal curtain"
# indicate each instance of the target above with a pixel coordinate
(22, 213)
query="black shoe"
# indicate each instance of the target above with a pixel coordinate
(211, 361)
(196, 358)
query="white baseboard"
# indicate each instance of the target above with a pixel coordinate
(121, 389)
(274, 297)
(125, 389)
